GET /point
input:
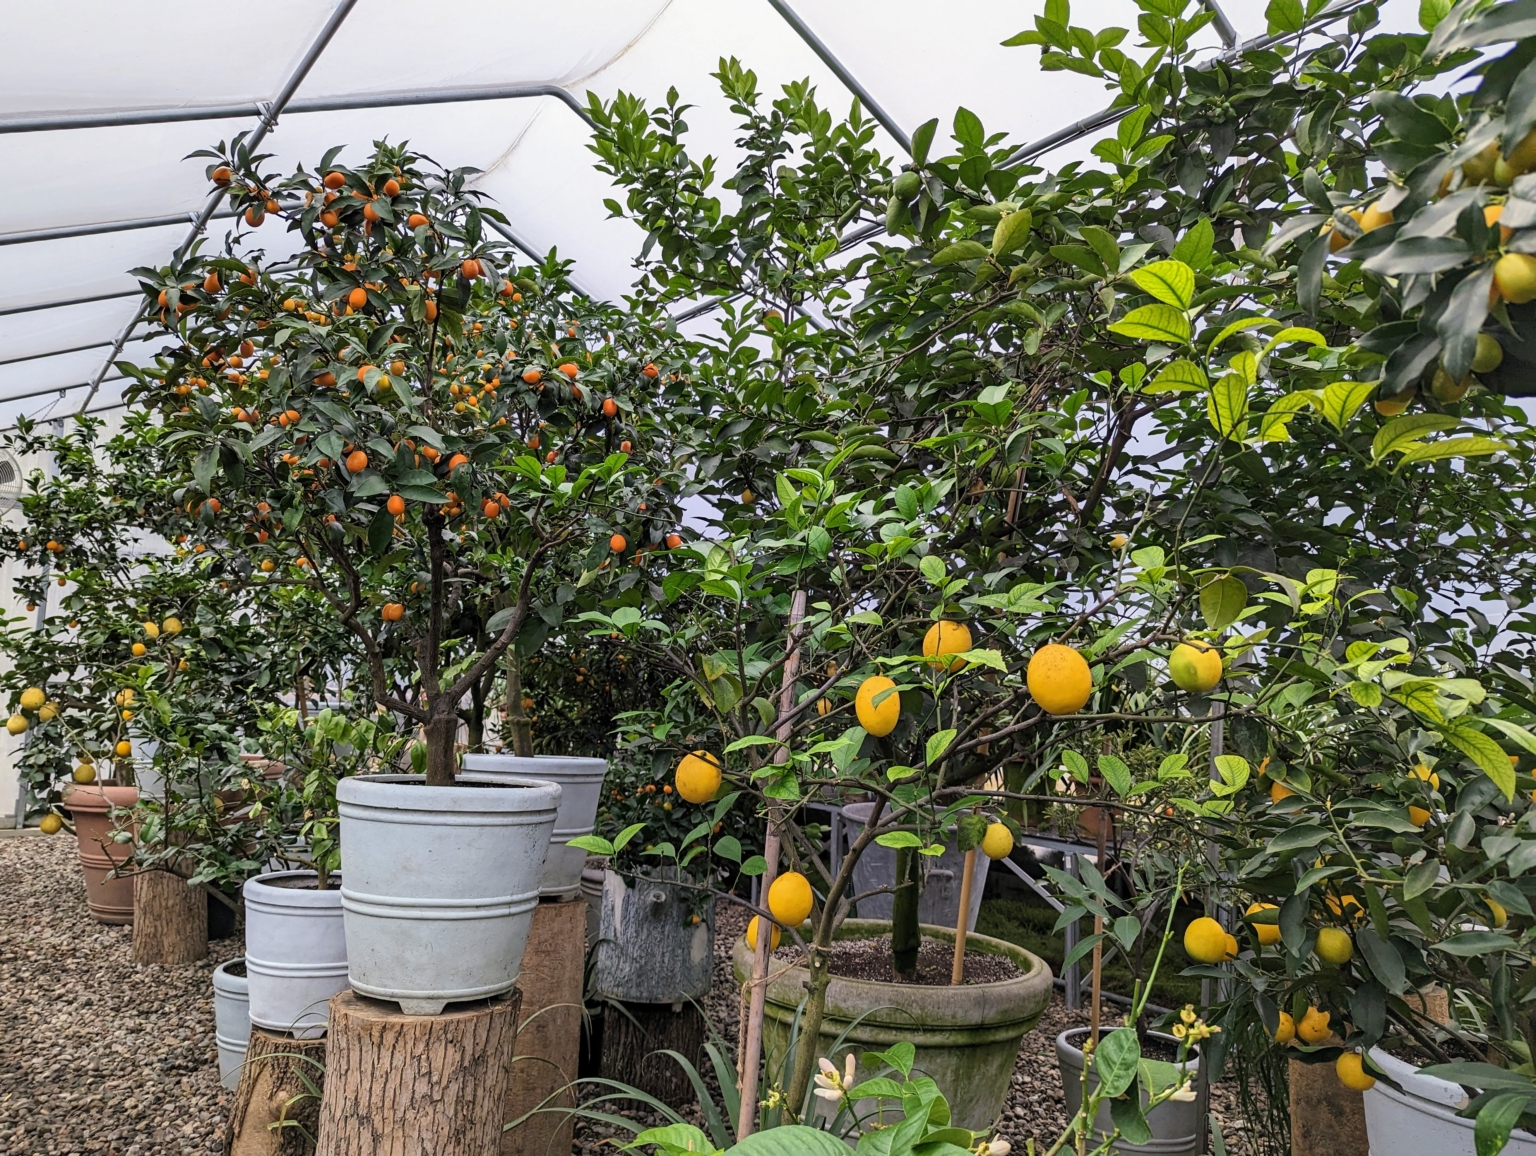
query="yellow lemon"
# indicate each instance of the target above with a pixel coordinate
(1278, 791)
(1195, 666)
(1118, 542)
(1313, 1028)
(1345, 905)
(171, 626)
(125, 696)
(151, 630)
(48, 711)
(51, 824)
(16, 724)
(773, 940)
(1500, 916)
(823, 706)
(1232, 948)
(945, 638)
(1205, 940)
(878, 718)
(1334, 946)
(1418, 816)
(33, 698)
(1514, 276)
(1350, 1067)
(790, 899)
(1059, 679)
(1268, 933)
(139, 650)
(1374, 218)
(1489, 355)
(698, 777)
(1429, 776)
(85, 773)
(123, 749)
(1285, 1030)
(1392, 406)
(997, 843)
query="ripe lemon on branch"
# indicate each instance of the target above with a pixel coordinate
(943, 639)
(790, 899)
(1195, 666)
(1334, 946)
(773, 939)
(1059, 679)
(1206, 941)
(698, 777)
(878, 718)
(997, 843)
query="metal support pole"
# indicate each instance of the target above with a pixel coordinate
(518, 242)
(64, 232)
(1224, 27)
(269, 116)
(840, 70)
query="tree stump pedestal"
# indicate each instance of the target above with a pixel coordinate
(170, 919)
(548, 1048)
(276, 1110)
(1327, 1119)
(401, 1085)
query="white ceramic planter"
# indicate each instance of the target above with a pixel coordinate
(1421, 1120)
(441, 883)
(581, 786)
(295, 952)
(231, 1019)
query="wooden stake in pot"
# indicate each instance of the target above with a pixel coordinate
(752, 1053)
(963, 920)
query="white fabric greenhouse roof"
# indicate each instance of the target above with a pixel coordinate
(66, 297)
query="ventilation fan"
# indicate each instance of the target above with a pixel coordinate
(10, 481)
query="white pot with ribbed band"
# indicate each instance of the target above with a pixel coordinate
(231, 1019)
(295, 951)
(441, 884)
(581, 788)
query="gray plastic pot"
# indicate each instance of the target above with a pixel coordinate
(295, 952)
(1175, 1124)
(441, 884)
(581, 786)
(967, 1037)
(940, 899)
(231, 1020)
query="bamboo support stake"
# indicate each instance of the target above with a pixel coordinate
(963, 922)
(1098, 946)
(752, 1058)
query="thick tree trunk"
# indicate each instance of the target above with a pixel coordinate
(1327, 1119)
(170, 919)
(440, 733)
(278, 1086)
(906, 939)
(399, 1085)
(519, 734)
(545, 1057)
(633, 1031)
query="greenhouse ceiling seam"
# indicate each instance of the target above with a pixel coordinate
(66, 231)
(842, 72)
(61, 390)
(55, 353)
(15, 309)
(269, 117)
(78, 413)
(359, 101)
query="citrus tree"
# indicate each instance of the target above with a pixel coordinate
(442, 446)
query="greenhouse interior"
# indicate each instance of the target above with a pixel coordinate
(769, 578)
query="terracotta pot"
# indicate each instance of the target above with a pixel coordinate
(109, 897)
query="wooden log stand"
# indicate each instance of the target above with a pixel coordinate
(170, 919)
(276, 1110)
(399, 1085)
(548, 1048)
(632, 1032)
(1327, 1119)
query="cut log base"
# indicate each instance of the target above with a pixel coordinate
(1327, 1119)
(546, 1057)
(633, 1031)
(170, 919)
(276, 1110)
(402, 1085)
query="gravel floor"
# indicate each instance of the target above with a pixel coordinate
(98, 1054)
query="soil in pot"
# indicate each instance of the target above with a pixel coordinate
(870, 959)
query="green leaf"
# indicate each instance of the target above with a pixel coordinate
(1011, 233)
(422, 494)
(626, 835)
(1470, 943)
(1195, 246)
(1294, 333)
(1125, 1114)
(1222, 600)
(1468, 447)
(1342, 399)
(1115, 1060)
(1171, 282)
(1383, 959)
(938, 743)
(1483, 1077)
(922, 139)
(959, 251)
(932, 569)
(1116, 774)
(1180, 376)
(1296, 839)
(898, 839)
(1239, 326)
(1234, 772)
(1487, 754)
(1402, 432)
(592, 844)
(790, 1140)
(1154, 323)
(1227, 406)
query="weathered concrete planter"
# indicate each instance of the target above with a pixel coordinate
(1175, 1124)
(440, 885)
(939, 902)
(648, 948)
(1421, 1120)
(967, 1037)
(231, 1019)
(110, 897)
(581, 786)
(295, 952)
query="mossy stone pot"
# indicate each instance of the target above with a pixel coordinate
(967, 1037)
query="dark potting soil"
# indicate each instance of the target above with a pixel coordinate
(302, 883)
(1152, 1047)
(235, 968)
(871, 959)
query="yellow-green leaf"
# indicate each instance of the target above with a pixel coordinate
(1012, 233)
(1295, 333)
(1227, 406)
(1452, 448)
(1342, 399)
(960, 251)
(1239, 326)
(1171, 282)
(1402, 432)
(1486, 753)
(1178, 377)
(1274, 424)
(1246, 364)
(1154, 323)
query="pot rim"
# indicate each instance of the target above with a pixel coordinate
(232, 983)
(95, 796)
(507, 795)
(262, 894)
(1063, 1040)
(1445, 1113)
(573, 767)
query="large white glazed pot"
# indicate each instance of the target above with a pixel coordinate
(231, 1019)
(441, 884)
(1421, 1120)
(581, 787)
(295, 952)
